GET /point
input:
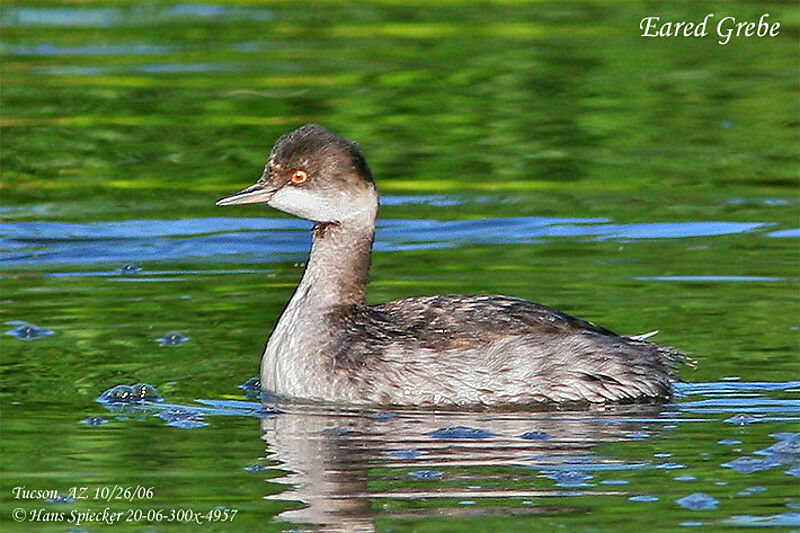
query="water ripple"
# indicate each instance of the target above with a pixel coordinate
(47, 49)
(107, 17)
(275, 239)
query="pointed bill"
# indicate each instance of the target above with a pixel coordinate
(255, 194)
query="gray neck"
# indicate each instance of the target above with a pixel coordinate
(338, 267)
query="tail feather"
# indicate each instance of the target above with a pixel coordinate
(644, 336)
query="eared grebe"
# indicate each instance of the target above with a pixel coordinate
(330, 346)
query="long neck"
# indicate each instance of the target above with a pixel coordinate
(338, 267)
(336, 274)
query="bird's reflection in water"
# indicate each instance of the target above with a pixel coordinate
(333, 457)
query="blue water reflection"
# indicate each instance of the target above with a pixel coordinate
(273, 239)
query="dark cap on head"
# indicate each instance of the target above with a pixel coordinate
(320, 150)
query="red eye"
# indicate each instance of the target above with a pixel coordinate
(299, 176)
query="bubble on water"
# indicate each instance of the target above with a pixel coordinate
(742, 420)
(684, 478)
(794, 471)
(638, 435)
(409, 453)
(535, 435)
(144, 392)
(699, 501)
(255, 468)
(614, 482)
(94, 421)
(27, 332)
(252, 385)
(466, 502)
(173, 338)
(118, 394)
(748, 465)
(426, 474)
(383, 416)
(460, 432)
(692, 523)
(729, 442)
(128, 269)
(127, 394)
(662, 455)
(644, 498)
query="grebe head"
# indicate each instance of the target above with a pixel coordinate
(314, 174)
